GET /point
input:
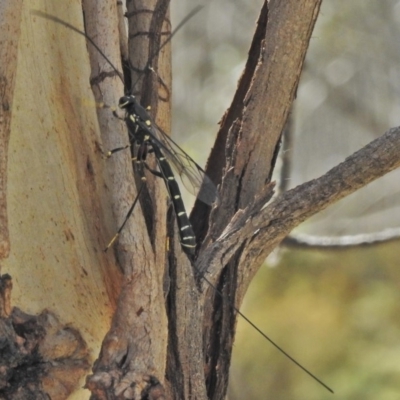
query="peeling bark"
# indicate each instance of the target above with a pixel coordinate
(40, 357)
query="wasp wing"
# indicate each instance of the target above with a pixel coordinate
(192, 175)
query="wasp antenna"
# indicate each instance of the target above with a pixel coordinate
(179, 26)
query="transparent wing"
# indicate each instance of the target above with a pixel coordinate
(192, 175)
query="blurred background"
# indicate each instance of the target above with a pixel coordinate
(336, 310)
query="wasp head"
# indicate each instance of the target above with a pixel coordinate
(126, 101)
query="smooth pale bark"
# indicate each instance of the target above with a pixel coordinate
(10, 23)
(59, 209)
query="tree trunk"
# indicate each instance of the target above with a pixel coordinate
(144, 310)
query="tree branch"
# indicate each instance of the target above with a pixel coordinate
(274, 222)
(133, 354)
(294, 206)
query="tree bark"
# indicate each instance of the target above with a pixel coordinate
(10, 21)
(164, 332)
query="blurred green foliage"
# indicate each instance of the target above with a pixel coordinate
(336, 312)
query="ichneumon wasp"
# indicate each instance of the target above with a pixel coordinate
(142, 133)
(149, 138)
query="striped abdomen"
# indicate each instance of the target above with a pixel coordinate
(188, 239)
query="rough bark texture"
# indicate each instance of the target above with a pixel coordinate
(39, 357)
(249, 140)
(165, 332)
